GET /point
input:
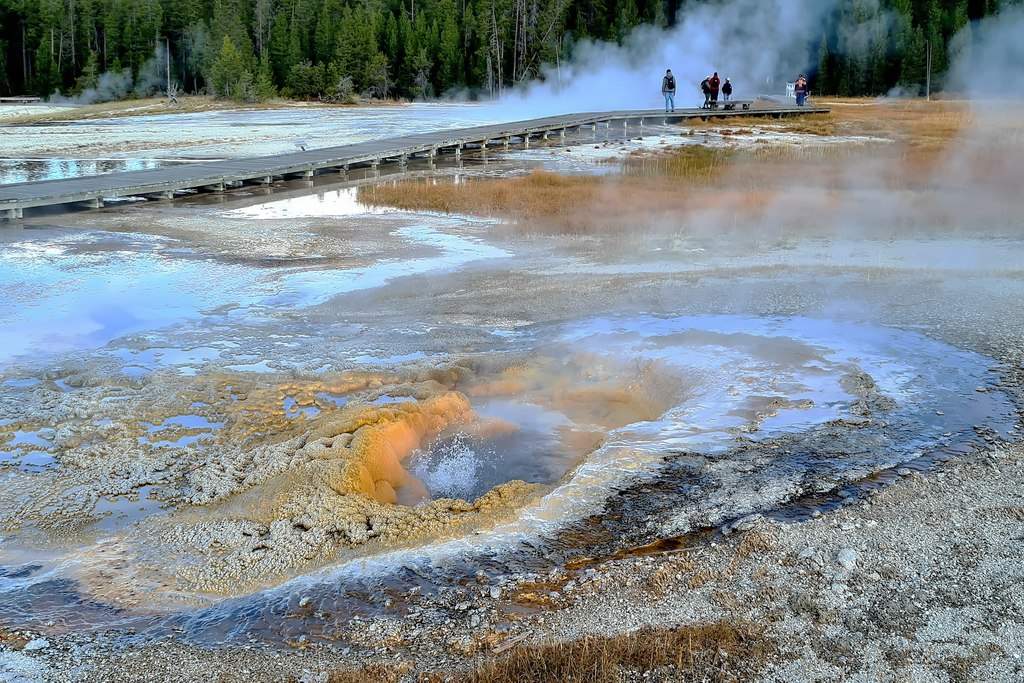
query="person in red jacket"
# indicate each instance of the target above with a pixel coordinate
(714, 83)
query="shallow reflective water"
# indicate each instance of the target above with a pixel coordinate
(81, 290)
(30, 170)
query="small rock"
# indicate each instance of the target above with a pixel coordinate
(474, 621)
(806, 553)
(748, 522)
(847, 558)
(304, 602)
(570, 585)
(904, 472)
(462, 606)
(495, 592)
(36, 644)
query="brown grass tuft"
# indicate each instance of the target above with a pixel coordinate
(540, 193)
(710, 652)
(374, 673)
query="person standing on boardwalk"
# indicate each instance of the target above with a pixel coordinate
(727, 90)
(668, 89)
(706, 89)
(800, 90)
(714, 83)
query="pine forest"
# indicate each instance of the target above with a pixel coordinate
(345, 49)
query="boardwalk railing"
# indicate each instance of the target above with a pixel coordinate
(217, 176)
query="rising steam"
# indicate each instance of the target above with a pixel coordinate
(756, 43)
(989, 62)
(118, 85)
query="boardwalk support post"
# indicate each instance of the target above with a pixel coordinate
(12, 214)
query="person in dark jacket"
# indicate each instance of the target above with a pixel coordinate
(727, 90)
(714, 83)
(668, 89)
(705, 87)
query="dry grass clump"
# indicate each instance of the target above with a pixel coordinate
(711, 652)
(693, 163)
(818, 124)
(903, 155)
(538, 194)
(373, 673)
(911, 121)
(721, 651)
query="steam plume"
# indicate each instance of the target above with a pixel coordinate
(117, 85)
(756, 43)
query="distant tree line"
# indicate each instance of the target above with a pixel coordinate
(340, 49)
(873, 46)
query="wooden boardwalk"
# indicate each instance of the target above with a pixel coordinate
(217, 176)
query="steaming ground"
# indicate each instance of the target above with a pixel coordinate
(216, 450)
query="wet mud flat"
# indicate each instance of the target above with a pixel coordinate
(336, 436)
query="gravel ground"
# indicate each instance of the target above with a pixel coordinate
(924, 581)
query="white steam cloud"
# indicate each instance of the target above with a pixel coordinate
(756, 43)
(117, 85)
(991, 54)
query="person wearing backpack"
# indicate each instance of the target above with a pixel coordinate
(727, 90)
(714, 83)
(668, 89)
(705, 88)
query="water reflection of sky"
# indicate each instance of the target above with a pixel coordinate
(29, 170)
(63, 294)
